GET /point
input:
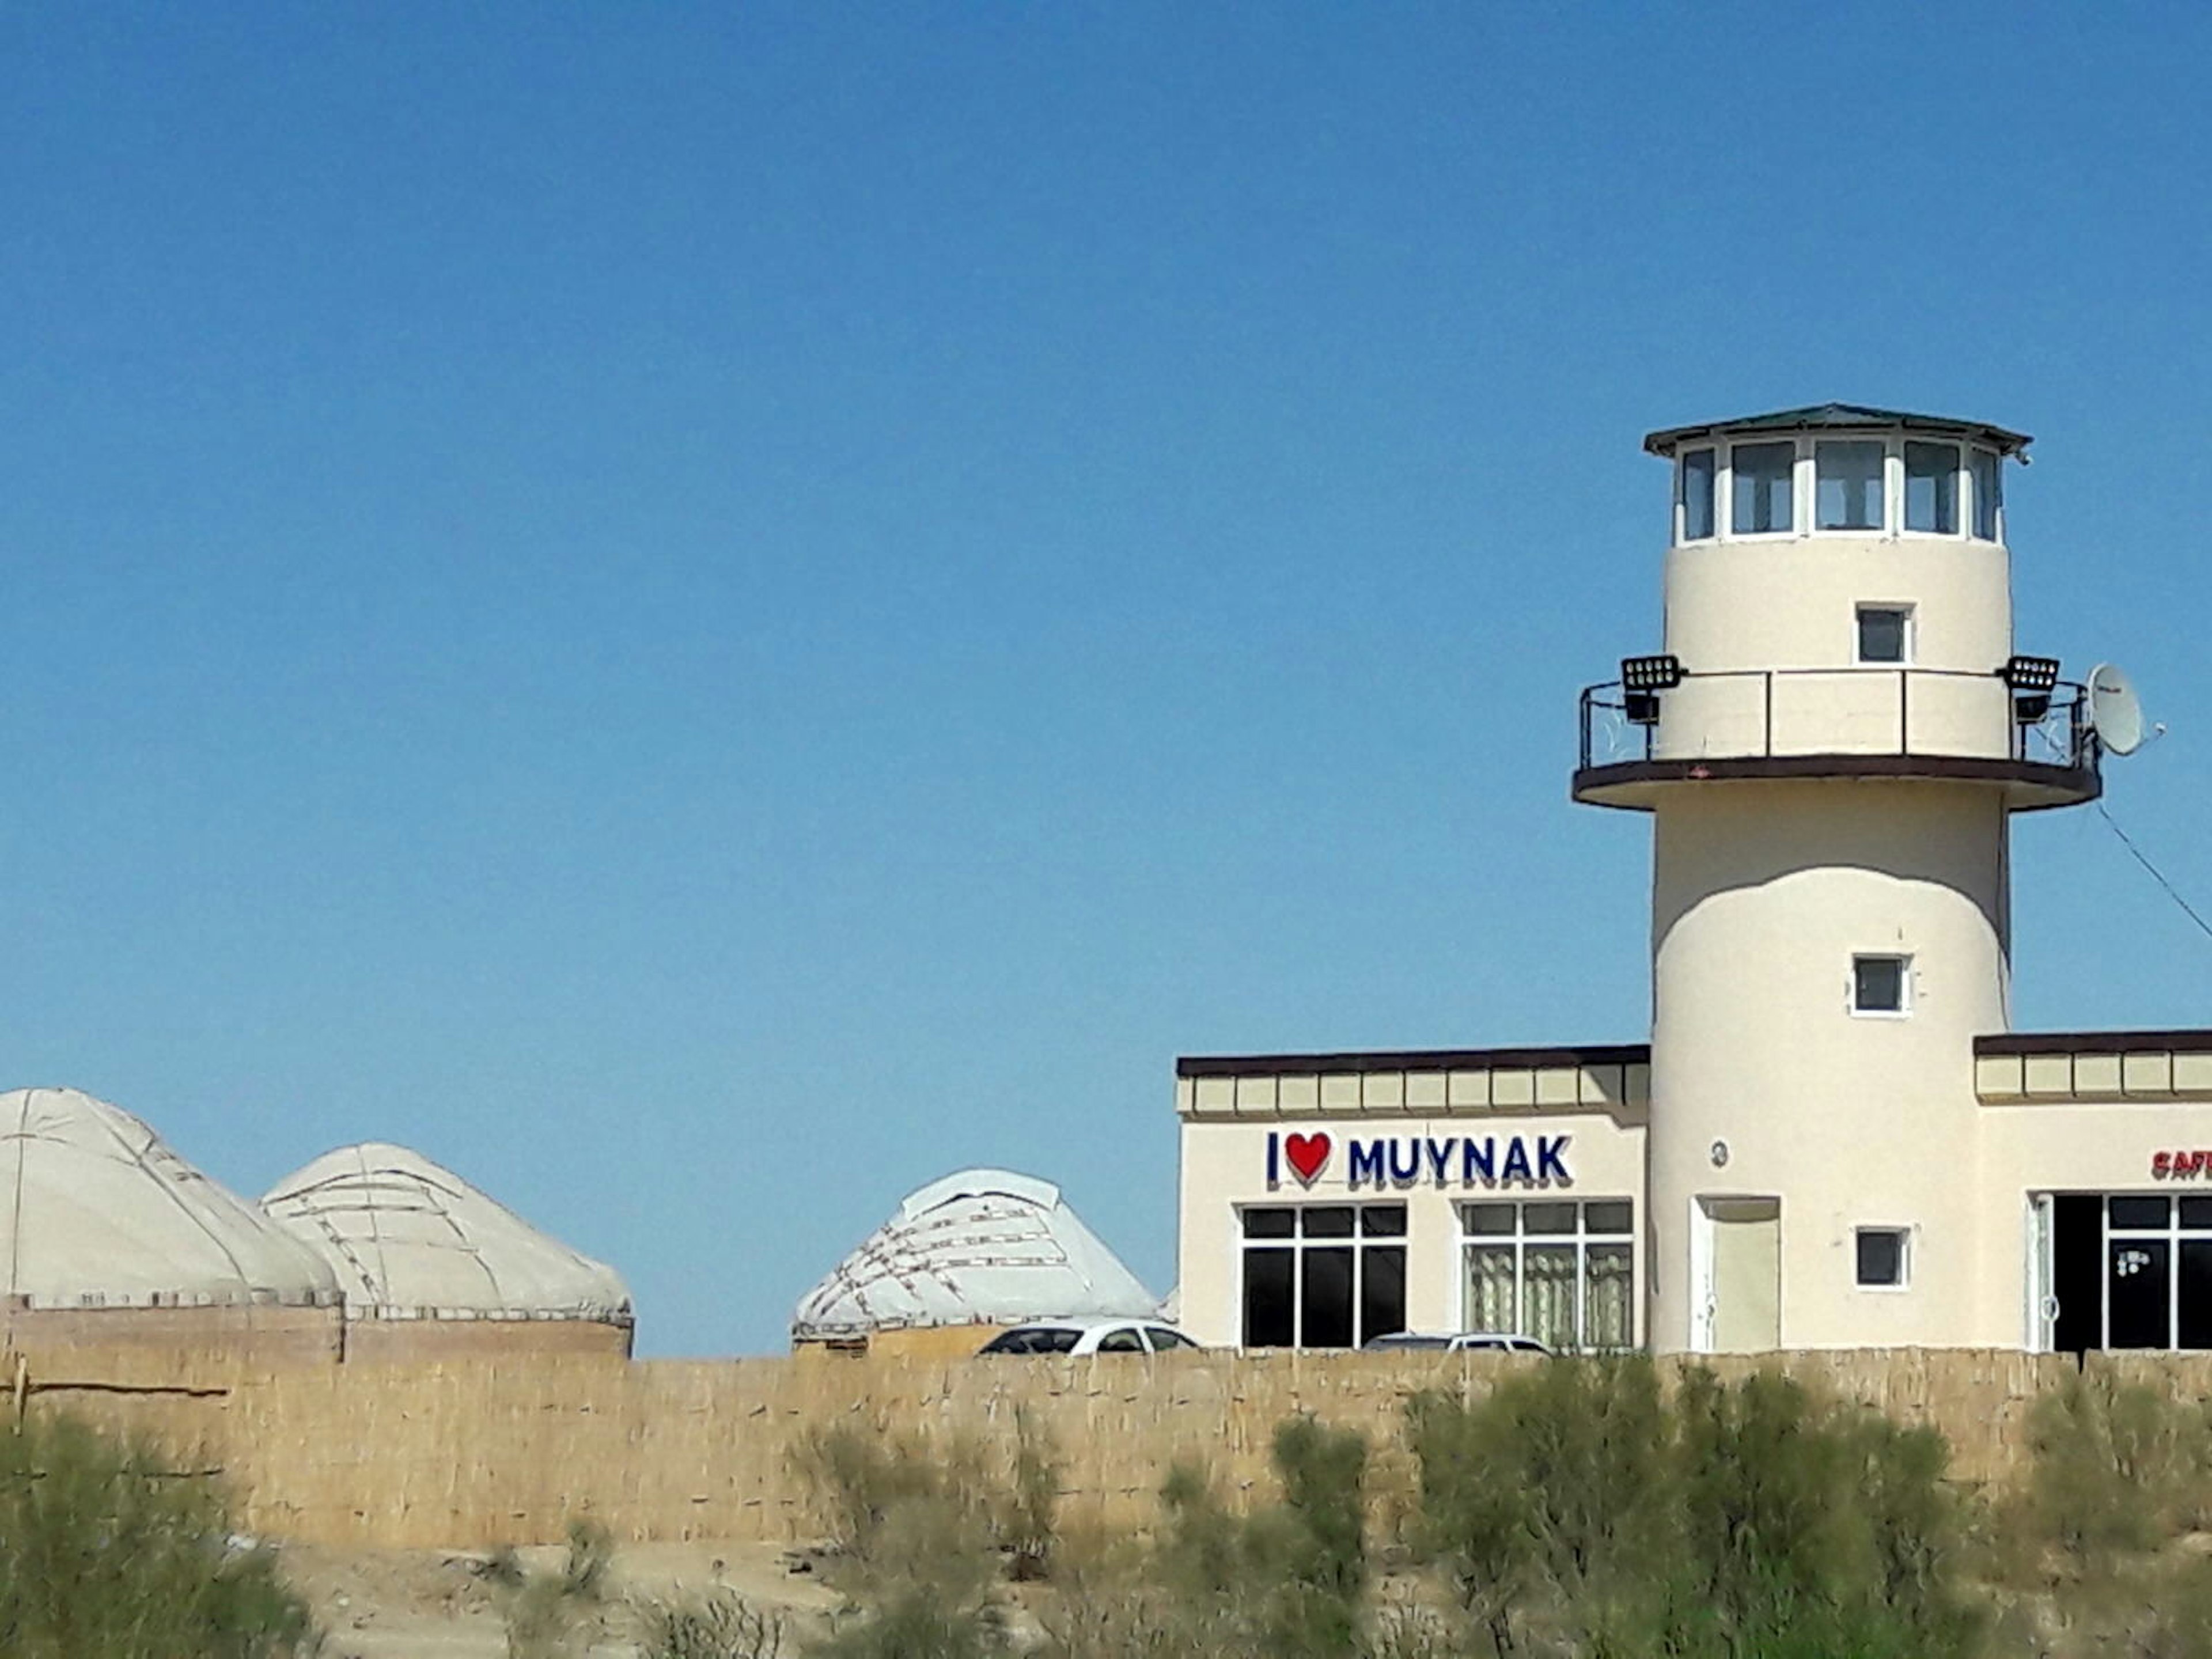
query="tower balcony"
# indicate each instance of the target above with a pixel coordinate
(1932, 724)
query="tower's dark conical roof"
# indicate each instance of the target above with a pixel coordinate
(1838, 417)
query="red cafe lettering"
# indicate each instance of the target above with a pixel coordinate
(2181, 1166)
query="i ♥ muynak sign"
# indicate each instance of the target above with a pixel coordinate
(1409, 1160)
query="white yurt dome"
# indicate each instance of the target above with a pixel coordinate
(409, 1238)
(981, 1246)
(99, 1212)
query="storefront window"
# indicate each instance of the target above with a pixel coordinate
(1323, 1275)
(2158, 1273)
(1561, 1272)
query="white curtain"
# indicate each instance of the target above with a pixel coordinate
(1550, 1293)
(1609, 1314)
(1489, 1299)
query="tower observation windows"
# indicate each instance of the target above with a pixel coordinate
(1984, 474)
(1694, 496)
(1763, 503)
(1931, 489)
(1848, 484)
(1885, 484)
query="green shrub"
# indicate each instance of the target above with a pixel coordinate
(1289, 1582)
(2095, 1542)
(1577, 1507)
(914, 1544)
(543, 1609)
(1026, 1525)
(105, 1552)
(2116, 1468)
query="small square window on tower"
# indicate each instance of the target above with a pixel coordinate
(1880, 985)
(1885, 633)
(1882, 1258)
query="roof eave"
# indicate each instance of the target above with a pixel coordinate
(1835, 418)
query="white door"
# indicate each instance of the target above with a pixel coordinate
(1739, 1298)
(2042, 1296)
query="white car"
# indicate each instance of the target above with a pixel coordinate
(1089, 1336)
(1455, 1342)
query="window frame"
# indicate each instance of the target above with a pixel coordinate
(1583, 1238)
(1359, 1240)
(1904, 1009)
(1887, 449)
(1907, 633)
(1713, 498)
(1799, 462)
(1960, 448)
(2175, 1232)
(1804, 485)
(1970, 506)
(1904, 1235)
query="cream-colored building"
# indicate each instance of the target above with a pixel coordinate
(1833, 1139)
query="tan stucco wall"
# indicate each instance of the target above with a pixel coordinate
(1762, 894)
(1224, 1167)
(2081, 1147)
(1793, 603)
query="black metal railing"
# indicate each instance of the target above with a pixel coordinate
(1764, 712)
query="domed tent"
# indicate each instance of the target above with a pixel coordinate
(981, 1247)
(428, 1263)
(108, 1236)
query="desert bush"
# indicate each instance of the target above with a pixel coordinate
(715, 1625)
(2115, 1468)
(914, 1537)
(1289, 1580)
(1032, 1507)
(2095, 1539)
(1578, 1508)
(107, 1553)
(545, 1609)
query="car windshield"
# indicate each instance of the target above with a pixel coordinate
(1163, 1338)
(1039, 1339)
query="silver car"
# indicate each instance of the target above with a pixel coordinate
(1457, 1342)
(1089, 1336)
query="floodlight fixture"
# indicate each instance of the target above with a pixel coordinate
(2030, 673)
(1650, 673)
(2032, 680)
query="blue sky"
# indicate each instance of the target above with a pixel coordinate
(706, 613)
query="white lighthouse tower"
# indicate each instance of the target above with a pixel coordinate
(1831, 743)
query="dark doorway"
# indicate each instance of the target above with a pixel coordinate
(2077, 1271)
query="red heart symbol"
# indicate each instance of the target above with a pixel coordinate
(1306, 1154)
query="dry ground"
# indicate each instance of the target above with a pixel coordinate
(435, 1604)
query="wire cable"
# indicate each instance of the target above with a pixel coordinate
(2187, 908)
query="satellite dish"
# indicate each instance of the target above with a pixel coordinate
(2115, 711)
